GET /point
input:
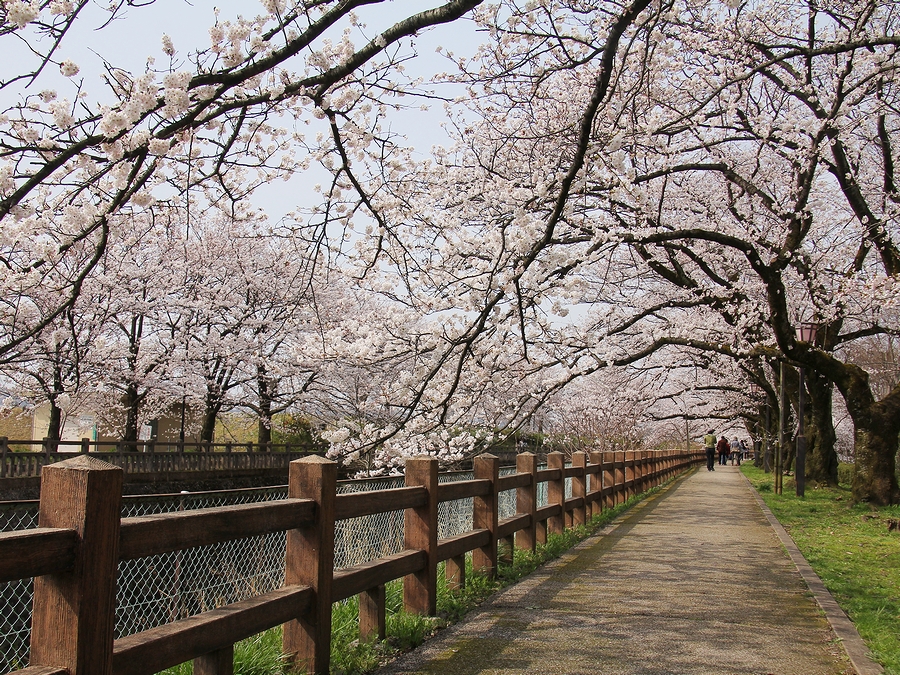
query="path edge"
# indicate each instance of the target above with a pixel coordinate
(841, 624)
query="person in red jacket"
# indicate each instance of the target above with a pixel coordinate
(723, 448)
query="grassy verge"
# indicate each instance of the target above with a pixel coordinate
(261, 654)
(852, 550)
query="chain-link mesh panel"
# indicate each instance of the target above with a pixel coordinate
(357, 540)
(16, 596)
(159, 589)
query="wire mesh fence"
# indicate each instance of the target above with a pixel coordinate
(160, 589)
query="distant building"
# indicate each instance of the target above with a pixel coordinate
(82, 424)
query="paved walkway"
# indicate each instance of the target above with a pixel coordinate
(692, 581)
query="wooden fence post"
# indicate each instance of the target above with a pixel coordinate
(579, 487)
(420, 533)
(74, 612)
(4, 451)
(526, 501)
(596, 484)
(621, 495)
(372, 620)
(556, 492)
(640, 471)
(609, 479)
(220, 662)
(309, 561)
(629, 474)
(484, 514)
(455, 572)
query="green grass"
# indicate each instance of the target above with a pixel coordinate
(261, 654)
(851, 549)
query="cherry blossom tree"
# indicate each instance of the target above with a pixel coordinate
(130, 365)
(804, 187)
(200, 129)
(682, 168)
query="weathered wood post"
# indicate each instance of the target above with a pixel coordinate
(596, 484)
(420, 533)
(609, 479)
(579, 487)
(309, 561)
(455, 572)
(484, 514)
(619, 459)
(372, 620)
(556, 492)
(74, 612)
(640, 471)
(630, 484)
(220, 662)
(526, 501)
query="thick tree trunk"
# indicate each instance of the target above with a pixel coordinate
(212, 407)
(264, 432)
(266, 391)
(132, 402)
(821, 458)
(876, 436)
(208, 429)
(875, 477)
(55, 428)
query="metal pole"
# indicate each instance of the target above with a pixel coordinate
(767, 448)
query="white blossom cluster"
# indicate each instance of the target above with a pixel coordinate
(639, 197)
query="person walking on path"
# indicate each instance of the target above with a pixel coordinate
(723, 448)
(709, 443)
(736, 451)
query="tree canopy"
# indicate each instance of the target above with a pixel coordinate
(652, 193)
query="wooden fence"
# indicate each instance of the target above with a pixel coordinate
(149, 457)
(81, 537)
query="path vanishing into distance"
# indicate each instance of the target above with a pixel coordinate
(697, 579)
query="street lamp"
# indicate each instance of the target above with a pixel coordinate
(805, 333)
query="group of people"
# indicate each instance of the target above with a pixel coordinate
(723, 448)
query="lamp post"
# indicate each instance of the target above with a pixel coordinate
(805, 333)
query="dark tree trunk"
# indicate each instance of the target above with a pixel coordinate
(55, 428)
(266, 396)
(132, 402)
(821, 458)
(132, 398)
(876, 436)
(790, 403)
(208, 428)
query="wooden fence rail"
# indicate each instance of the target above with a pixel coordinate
(81, 537)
